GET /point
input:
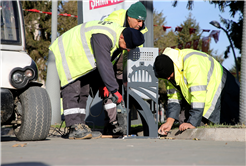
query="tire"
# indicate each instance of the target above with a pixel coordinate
(36, 115)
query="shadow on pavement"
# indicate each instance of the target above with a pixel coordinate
(25, 164)
(8, 138)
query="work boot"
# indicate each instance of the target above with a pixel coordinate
(95, 134)
(80, 131)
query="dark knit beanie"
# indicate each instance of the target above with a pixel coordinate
(133, 37)
(163, 66)
(137, 10)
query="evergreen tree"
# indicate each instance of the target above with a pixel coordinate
(171, 39)
(159, 34)
(38, 31)
(185, 36)
(159, 42)
(162, 39)
(66, 23)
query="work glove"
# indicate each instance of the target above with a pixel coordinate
(103, 92)
(118, 97)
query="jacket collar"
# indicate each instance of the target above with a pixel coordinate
(177, 61)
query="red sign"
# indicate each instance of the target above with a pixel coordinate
(94, 4)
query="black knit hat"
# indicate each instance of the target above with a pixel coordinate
(163, 66)
(133, 37)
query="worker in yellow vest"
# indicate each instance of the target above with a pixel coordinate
(83, 59)
(211, 92)
(133, 17)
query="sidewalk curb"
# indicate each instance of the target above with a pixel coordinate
(211, 134)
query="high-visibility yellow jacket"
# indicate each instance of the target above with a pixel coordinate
(73, 51)
(119, 16)
(201, 80)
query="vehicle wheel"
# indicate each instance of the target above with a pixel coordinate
(36, 115)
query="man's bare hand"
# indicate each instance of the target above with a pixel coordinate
(185, 126)
(163, 130)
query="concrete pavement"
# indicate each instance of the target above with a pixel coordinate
(56, 151)
(207, 146)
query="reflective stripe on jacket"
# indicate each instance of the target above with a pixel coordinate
(73, 51)
(200, 77)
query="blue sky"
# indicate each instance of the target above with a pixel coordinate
(203, 13)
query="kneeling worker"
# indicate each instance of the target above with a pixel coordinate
(83, 57)
(210, 90)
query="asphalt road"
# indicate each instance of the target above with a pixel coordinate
(55, 151)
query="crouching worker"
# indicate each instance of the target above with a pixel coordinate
(83, 58)
(211, 92)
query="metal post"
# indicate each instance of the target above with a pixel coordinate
(80, 12)
(149, 24)
(52, 81)
(242, 113)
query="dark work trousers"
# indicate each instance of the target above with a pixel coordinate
(75, 96)
(230, 101)
(229, 108)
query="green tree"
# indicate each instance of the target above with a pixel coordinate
(38, 31)
(159, 34)
(185, 36)
(162, 39)
(66, 23)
